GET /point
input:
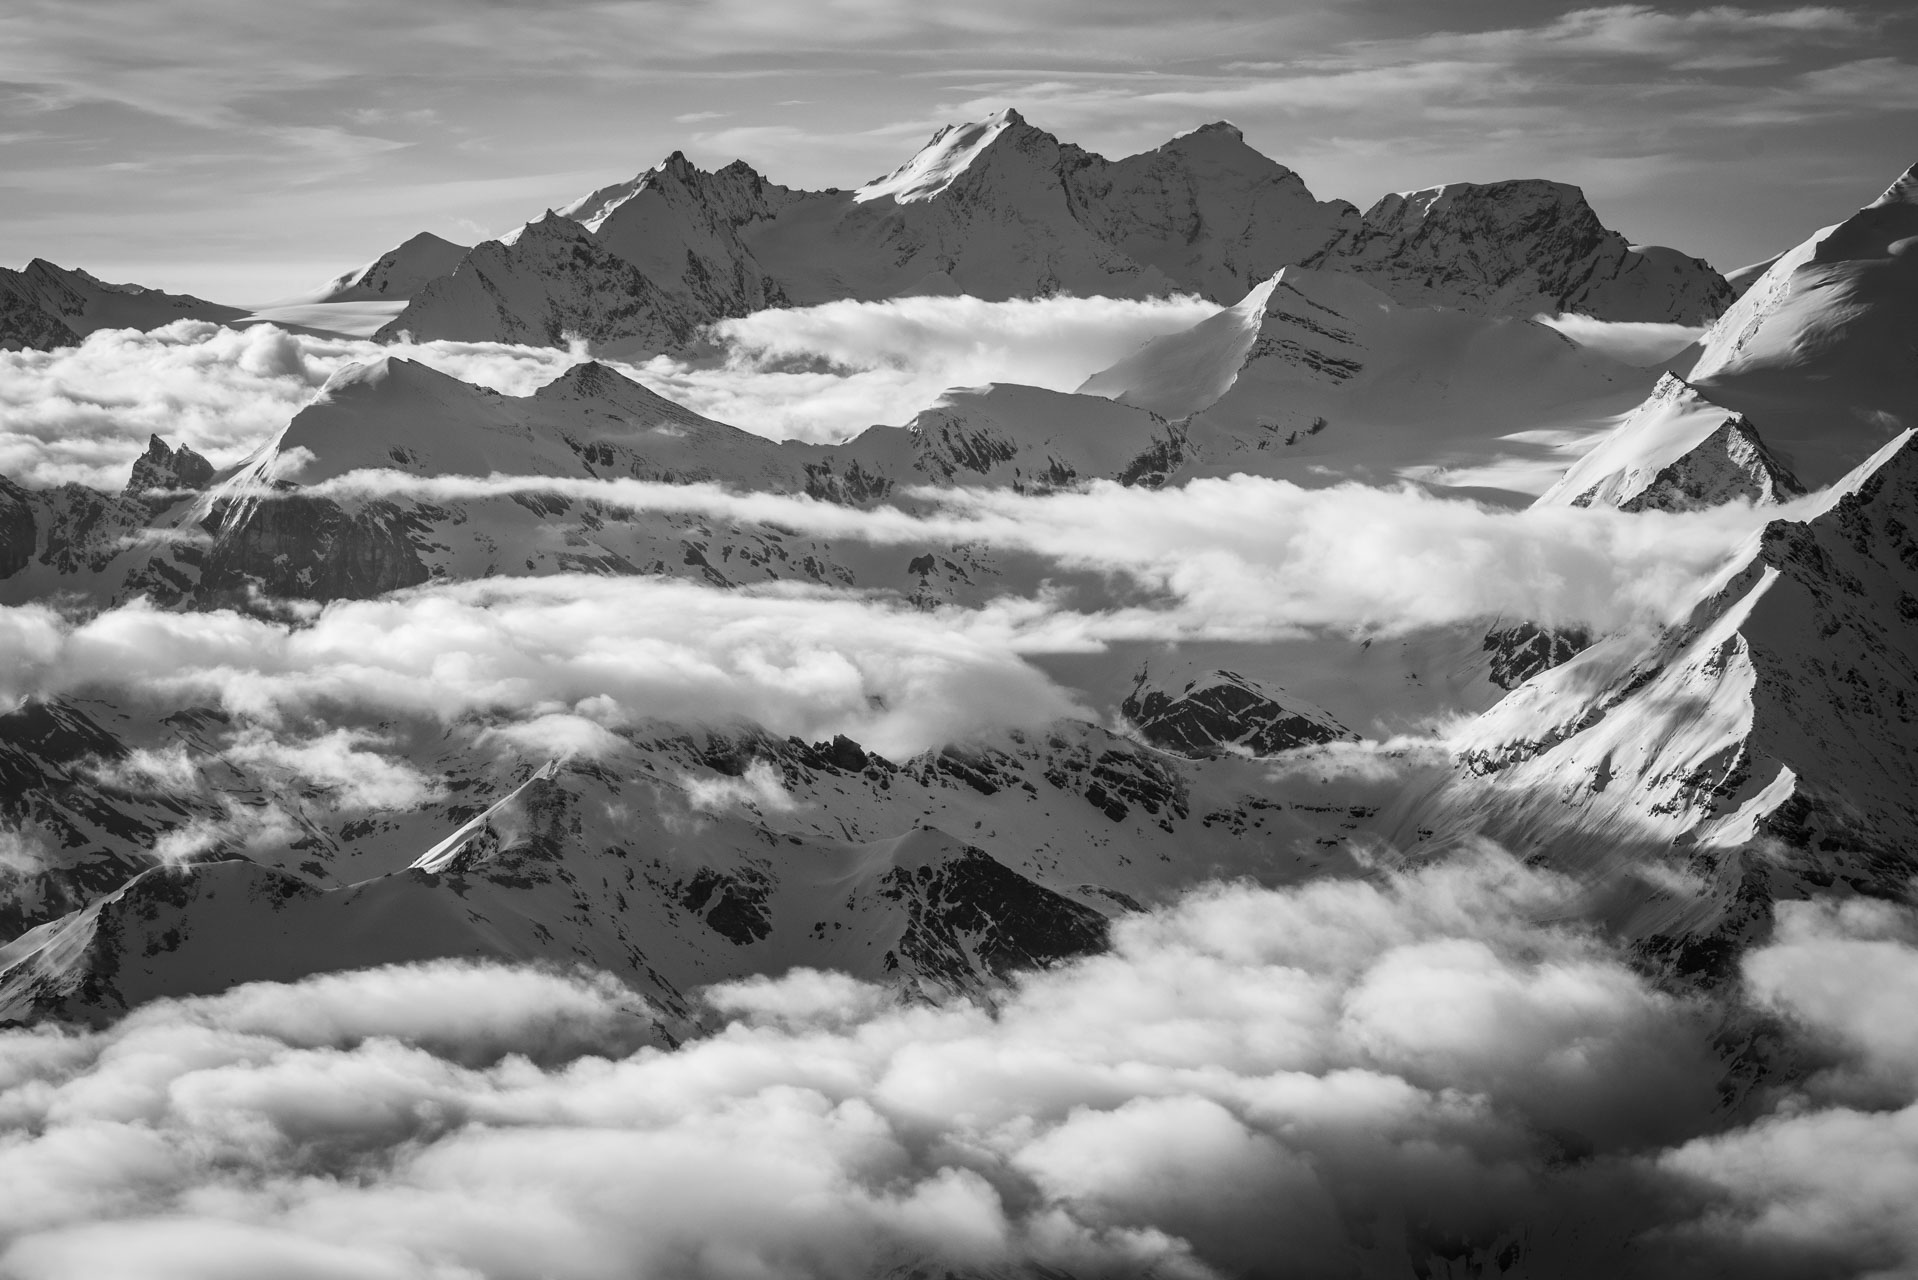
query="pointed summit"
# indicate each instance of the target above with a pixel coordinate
(1678, 451)
(1818, 350)
(940, 162)
(1903, 191)
(161, 467)
(1217, 126)
(397, 274)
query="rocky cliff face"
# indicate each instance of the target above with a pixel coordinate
(24, 323)
(1730, 465)
(1520, 248)
(613, 862)
(168, 470)
(552, 282)
(1223, 713)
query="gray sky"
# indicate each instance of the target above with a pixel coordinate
(246, 150)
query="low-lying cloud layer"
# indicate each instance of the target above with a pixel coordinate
(1632, 342)
(563, 659)
(1244, 557)
(1344, 1078)
(608, 651)
(822, 373)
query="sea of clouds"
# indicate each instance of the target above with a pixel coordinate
(1343, 1078)
(1340, 1078)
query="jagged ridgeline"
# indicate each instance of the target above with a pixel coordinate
(1001, 209)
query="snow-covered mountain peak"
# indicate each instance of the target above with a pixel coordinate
(1521, 247)
(1677, 451)
(1818, 350)
(388, 374)
(1902, 191)
(592, 208)
(398, 273)
(1217, 128)
(939, 163)
(609, 391)
(551, 225)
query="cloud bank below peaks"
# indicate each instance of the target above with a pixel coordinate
(608, 652)
(1343, 1078)
(84, 413)
(1242, 557)
(823, 373)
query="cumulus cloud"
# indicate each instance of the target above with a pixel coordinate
(1346, 1077)
(759, 788)
(339, 764)
(23, 850)
(1826, 1182)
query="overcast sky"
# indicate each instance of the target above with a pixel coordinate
(245, 151)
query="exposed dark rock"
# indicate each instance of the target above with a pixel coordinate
(1526, 649)
(1220, 713)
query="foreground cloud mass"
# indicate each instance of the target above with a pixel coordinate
(1326, 1080)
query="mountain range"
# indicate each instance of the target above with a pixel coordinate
(1756, 747)
(994, 209)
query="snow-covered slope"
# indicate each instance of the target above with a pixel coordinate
(397, 274)
(1785, 712)
(1521, 248)
(1818, 352)
(1030, 439)
(821, 854)
(1676, 452)
(1317, 376)
(1741, 279)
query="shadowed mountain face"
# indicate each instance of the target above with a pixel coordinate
(1521, 248)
